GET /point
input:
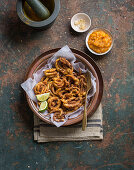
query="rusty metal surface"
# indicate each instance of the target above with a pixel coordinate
(20, 45)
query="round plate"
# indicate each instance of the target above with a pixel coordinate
(41, 61)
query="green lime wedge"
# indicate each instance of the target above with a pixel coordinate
(42, 97)
(43, 106)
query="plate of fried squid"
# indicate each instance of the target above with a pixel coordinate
(65, 81)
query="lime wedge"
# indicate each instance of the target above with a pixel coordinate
(43, 106)
(42, 97)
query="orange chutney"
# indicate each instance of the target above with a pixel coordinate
(99, 41)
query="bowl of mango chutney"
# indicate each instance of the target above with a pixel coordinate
(99, 41)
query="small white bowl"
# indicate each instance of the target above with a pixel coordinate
(96, 29)
(79, 16)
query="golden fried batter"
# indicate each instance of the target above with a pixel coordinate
(64, 66)
(58, 82)
(54, 103)
(51, 73)
(72, 102)
(58, 115)
(41, 88)
(71, 79)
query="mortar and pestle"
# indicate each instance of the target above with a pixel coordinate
(39, 14)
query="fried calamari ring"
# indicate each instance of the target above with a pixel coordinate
(67, 96)
(64, 66)
(54, 103)
(66, 111)
(72, 102)
(60, 92)
(58, 115)
(75, 91)
(52, 89)
(58, 82)
(51, 73)
(71, 79)
(41, 88)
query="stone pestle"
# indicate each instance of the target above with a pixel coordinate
(40, 10)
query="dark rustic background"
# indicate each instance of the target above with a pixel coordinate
(20, 45)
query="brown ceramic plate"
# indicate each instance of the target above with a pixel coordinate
(41, 61)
